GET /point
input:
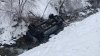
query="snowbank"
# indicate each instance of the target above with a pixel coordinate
(79, 39)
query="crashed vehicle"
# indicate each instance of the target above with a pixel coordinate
(42, 32)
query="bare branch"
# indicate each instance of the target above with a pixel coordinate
(3, 1)
(7, 11)
(31, 13)
(23, 4)
(46, 8)
(61, 6)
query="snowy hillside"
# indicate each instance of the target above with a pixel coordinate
(79, 39)
(10, 11)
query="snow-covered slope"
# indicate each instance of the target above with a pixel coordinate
(9, 12)
(78, 39)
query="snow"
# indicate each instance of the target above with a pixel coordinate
(38, 7)
(8, 10)
(8, 33)
(79, 39)
(85, 3)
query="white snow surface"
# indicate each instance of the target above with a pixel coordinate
(79, 39)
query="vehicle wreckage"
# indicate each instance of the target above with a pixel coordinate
(42, 32)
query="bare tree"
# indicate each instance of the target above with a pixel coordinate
(11, 10)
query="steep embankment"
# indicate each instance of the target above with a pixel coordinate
(79, 39)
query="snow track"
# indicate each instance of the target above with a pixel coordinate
(78, 39)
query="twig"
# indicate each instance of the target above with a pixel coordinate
(31, 13)
(45, 8)
(7, 11)
(23, 6)
(61, 6)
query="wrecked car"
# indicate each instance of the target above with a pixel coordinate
(42, 32)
